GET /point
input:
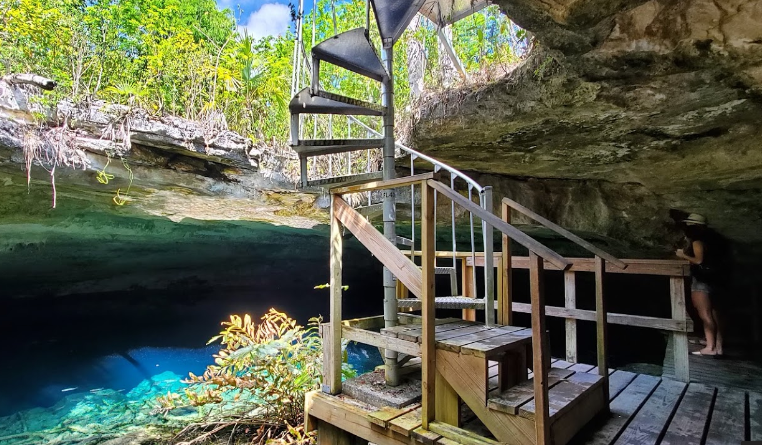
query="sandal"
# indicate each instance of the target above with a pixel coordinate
(699, 353)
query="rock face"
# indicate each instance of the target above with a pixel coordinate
(625, 109)
(120, 179)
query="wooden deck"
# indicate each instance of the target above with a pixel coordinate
(645, 410)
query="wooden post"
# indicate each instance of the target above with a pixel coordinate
(333, 378)
(539, 351)
(428, 351)
(467, 281)
(505, 314)
(570, 298)
(679, 339)
(601, 322)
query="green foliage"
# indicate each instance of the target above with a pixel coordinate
(276, 362)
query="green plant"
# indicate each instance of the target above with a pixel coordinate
(271, 365)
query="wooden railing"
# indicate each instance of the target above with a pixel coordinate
(420, 282)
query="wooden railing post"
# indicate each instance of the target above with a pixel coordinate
(539, 351)
(570, 299)
(428, 351)
(679, 339)
(601, 319)
(332, 348)
(505, 312)
(467, 281)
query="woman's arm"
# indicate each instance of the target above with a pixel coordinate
(698, 253)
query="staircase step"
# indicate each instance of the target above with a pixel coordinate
(316, 147)
(446, 13)
(353, 51)
(328, 103)
(444, 270)
(563, 395)
(444, 303)
(393, 16)
(510, 400)
(402, 241)
(457, 435)
(337, 181)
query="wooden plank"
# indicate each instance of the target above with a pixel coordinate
(618, 381)
(581, 367)
(515, 234)
(333, 378)
(400, 265)
(349, 418)
(511, 400)
(381, 185)
(407, 422)
(454, 344)
(374, 322)
(755, 416)
(468, 376)
(428, 348)
(622, 409)
(459, 435)
(565, 233)
(386, 414)
(539, 352)
(727, 424)
(442, 336)
(564, 396)
(679, 339)
(415, 333)
(562, 364)
(381, 341)
(491, 346)
(664, 324)
(570, 302)
(634, 266)
(505, 299)
(467, 282)
(447, 402)
(688, 424)
(601, 322)
(648, 424)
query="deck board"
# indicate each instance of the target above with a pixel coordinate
(691, 417)
(727, 423)
(653, 417)
(618, 381)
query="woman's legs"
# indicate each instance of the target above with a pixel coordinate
(718, 332)
(704, 308)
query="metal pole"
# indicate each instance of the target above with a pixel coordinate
(390, 213)
(489, 271)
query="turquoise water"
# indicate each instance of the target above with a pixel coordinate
(116, 395)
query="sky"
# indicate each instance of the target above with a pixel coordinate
(260, 18)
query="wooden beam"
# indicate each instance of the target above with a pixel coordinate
(505, 297)
(539, 352)
(679, 339)
(428, 346)
(467, 280)
(333, 379)
(381, 341)
(601, 325)
(634, 266)
(565, 233)
(663, 324)
(490, 218)
(570, 302)
(405, 270)
(381, 185)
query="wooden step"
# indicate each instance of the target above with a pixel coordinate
(316, 147)
(457, 435)
(566, 389)
(453, 302)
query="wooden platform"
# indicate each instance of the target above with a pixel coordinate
(645, 410)
(737, 369)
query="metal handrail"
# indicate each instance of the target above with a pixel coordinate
(428, 159)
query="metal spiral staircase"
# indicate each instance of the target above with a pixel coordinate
(354, 51)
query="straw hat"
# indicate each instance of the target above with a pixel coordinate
(694, 219)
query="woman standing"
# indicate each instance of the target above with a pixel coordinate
(699, 255)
